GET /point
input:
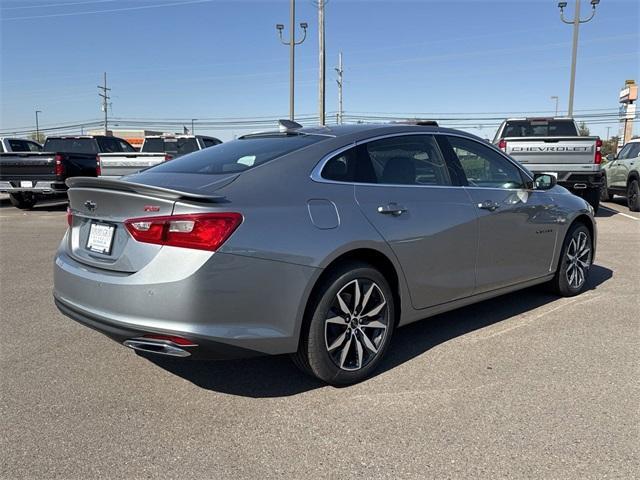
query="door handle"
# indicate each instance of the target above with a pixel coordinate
(489, 205)
(392, 209)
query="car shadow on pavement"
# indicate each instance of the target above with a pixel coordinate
(267, 377)
(54, 205)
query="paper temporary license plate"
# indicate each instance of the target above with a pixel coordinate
(100, 238)
(26, 184)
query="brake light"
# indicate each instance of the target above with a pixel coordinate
(69, 217)
(597, 159)
(168, 157)
(98, 166)
(58, 169)
(202, 231)
(502, 145)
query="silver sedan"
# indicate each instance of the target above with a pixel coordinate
(315, 242)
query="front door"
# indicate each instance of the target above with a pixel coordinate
(408, 195)
(517, 226)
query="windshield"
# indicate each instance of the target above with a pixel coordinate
(71, 145)
(237, 155)
(540, 128)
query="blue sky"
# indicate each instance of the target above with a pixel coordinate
(204, 59)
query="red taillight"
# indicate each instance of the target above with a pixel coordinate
(168, 157)
(69, 217)
(202, 231)
(183, 342)
(58, 169)
(98, 166)
(502, 145)
(597, 159)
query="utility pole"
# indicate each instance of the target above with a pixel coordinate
(574, 55)
(555, 97)
(37, 126)
(105, 99)
(608, 128)
(340, 82)
(292, 53)
(322, 63)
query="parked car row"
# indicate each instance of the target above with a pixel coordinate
(30, 172)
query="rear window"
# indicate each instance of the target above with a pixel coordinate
(237, 155)
(71, 145)
(176, 146)
(540, 128)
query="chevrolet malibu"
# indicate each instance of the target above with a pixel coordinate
(315, 242)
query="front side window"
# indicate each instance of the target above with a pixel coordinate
(109, 145)
(630, 150)
(34, 147)
(485, 167)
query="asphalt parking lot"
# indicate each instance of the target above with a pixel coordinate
(523, 386)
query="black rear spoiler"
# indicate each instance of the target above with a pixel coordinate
(124, 186)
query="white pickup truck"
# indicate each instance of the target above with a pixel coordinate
(155, 150)
(554, 146)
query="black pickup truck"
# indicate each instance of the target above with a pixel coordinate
(30, 176)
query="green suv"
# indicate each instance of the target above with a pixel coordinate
(622, 176)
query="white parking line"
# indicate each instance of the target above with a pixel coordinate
(619, 213)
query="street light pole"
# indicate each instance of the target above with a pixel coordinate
(292, 53)
(555, 97)
(322, 63)
(192, 128)
(37, 126)
(574, 55)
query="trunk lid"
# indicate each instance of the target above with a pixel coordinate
(99, 208)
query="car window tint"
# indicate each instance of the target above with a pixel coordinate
(18, 146)
(209, 142)
(485, 167)
(34, 147)
(407, 160)
(109, 145)
(125, 146)
(237, 155)
(71, 145)
(342, 167)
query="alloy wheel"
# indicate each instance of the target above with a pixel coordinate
(356, 324)
(578, 259)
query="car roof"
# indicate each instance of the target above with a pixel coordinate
(364, 129)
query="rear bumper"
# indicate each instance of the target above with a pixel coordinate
(43, 187)
(581, 181)
(230, 306)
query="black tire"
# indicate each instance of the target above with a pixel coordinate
(333, 347)
(23, 201)
(605, 195)
(633, 195)
(562, 283)
(592, 196)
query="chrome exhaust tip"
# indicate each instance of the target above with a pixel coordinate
(161, 347)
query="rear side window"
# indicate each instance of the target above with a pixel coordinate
(34, 147)
(237, 155)
(209, 142)
(18, 146)
(407, 160)
(540, 128)
(71, 145)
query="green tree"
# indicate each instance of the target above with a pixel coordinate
(583, 130)
(40, 138)
(609, 146)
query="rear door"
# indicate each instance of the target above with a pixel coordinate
(517, 226)
(406, 191)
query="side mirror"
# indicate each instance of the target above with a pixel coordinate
(610, 157)
(544, 181)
